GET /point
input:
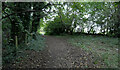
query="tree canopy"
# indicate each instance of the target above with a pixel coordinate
(25, 19)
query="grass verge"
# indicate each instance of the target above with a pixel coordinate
(103, 48)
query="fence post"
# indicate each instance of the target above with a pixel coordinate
(25, 38)
(16, 42)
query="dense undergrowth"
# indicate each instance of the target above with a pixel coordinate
(104, 49)
(11, 53)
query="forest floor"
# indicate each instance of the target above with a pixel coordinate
(58, 53)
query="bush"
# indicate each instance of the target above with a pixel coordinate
(10, 53)
(54, 28)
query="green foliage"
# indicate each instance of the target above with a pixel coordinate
(86, 15)
(11, 53)
(8, 54)
(38, 44)
(54, 28)
(18, 21)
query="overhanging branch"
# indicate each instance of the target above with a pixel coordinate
(21, 12)
(28, 11)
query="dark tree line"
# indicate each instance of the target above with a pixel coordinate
(22, 19)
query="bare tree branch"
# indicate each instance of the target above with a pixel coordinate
(8, 17)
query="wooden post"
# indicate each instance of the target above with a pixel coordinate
(16, 42)
(26, 39)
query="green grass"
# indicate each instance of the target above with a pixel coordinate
(103, 48)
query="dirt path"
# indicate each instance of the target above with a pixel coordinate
(57, 54)
(63, 55)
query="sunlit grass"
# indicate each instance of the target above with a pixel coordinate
(103, 48)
